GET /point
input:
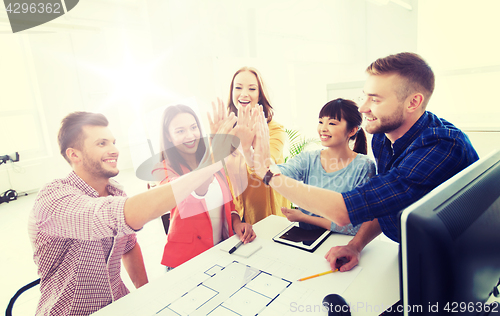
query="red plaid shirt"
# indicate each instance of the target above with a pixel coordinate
(78, 240)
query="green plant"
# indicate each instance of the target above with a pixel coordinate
(297, 142)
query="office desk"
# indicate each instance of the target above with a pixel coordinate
(374, 288)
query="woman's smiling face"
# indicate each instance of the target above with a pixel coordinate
(184, 133)
(245, 90)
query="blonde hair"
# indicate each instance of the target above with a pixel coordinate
(418, 75)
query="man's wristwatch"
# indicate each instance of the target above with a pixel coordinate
(273, 171)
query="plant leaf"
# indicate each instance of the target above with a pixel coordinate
(297, 142)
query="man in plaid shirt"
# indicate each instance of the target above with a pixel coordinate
(415, 152)
(82, 226)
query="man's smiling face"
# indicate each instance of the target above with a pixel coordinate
(99, 154)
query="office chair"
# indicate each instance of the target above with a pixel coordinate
(8, 311)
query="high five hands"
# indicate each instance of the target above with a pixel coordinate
(223, 135)
(245, 127)
(247, 119)
(246, 122)
(262, 153)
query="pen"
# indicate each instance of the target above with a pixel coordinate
(317, 275)
(236, 247)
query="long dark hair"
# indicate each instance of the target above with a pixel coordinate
(168, 150)
(263, 95)
(347, 110)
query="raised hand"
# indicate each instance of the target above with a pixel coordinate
(219, 113)
(221, 143)
(247, 119)
(262, 155)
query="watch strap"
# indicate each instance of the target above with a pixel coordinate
(267, 177)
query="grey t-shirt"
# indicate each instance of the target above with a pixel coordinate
(307, 167)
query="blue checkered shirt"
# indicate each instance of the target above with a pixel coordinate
(431, 152)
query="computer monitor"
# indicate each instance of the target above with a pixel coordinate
(450, 244)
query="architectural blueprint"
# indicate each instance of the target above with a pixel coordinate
(236, 289)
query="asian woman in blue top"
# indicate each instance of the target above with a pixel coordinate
(336, 167)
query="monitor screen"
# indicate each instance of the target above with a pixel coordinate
(450, 244)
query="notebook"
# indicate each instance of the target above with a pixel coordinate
(245, 250)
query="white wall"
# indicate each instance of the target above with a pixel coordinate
(124, 58)
(127, 58)
(70, 64)
(298, 46)
(458, 39)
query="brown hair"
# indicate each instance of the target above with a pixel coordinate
(71, 132)
(263, 95)
(347, 110)
(417, 73)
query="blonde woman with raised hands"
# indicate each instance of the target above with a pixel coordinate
(247, 93)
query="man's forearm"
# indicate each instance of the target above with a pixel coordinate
(326, 203)
(134, 264)
(318, 221)
(323, 202)
(151, 204)
(366, 233)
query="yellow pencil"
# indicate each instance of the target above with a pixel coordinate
(317, 275)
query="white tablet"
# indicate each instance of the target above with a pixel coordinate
(302, 238)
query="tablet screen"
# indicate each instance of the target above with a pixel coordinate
(298, 234)
(307, 239)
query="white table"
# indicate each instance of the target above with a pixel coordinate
(374, 288)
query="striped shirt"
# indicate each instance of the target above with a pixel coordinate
(431, 152)
(78, 240)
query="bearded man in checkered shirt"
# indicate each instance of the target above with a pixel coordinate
(84, 225)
